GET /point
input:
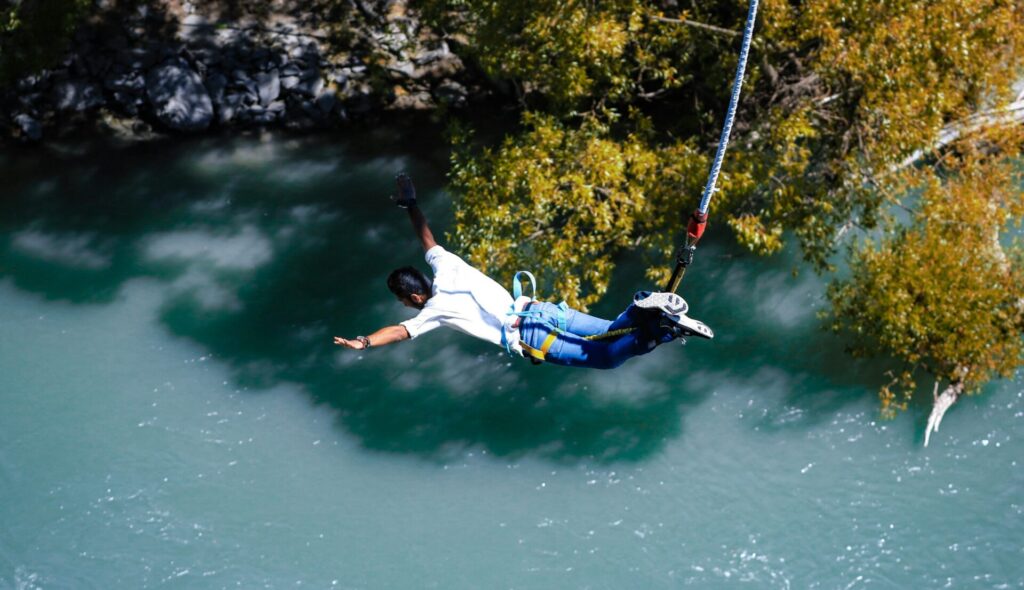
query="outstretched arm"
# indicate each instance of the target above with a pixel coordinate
(379, 338)
(407, 199)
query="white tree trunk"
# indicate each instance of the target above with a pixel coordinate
(941, 403)
(1010, 114)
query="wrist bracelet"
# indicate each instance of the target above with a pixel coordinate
(364, 340)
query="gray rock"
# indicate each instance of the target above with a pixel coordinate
(194, 26)
(291, 70)
(310, 109)
(262, 116)
(417, 101)
(268, 86)
(209, 57)
(433, 55)
(136, 32)
(29, 127)
(228, 36)
(368, 8)
(261, 55)
(128, 103)
(77, 95)
(240, 80)
(445, 67)
(396, 41)
(277, 107)
(309, 86)
(137, 58)
(451, 93)
(178, 97)
(27, 84)
(131, 83)
(289, 82)
(359, 99)
(339, 77)
(403, 68)
(32, 101)
(264, 60)
(250, 97)
(307, 52)
(326, 102)
(229, 107)
(215, 85)
(194, 62)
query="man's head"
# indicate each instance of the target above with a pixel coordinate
(411, 286)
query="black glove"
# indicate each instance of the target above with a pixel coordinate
(406, 191)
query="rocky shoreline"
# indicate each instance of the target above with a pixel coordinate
(165, 69)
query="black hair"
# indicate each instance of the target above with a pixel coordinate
(407, 280)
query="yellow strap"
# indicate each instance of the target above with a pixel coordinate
(541, 353)
(532, 352)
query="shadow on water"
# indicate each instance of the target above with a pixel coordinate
(267, 247)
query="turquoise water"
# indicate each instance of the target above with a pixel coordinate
(172, 413)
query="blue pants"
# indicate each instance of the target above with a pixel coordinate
(572, 350)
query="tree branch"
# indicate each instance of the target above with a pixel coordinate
(942, 402)
(253, 28)
(698, 25)
(1012, 114)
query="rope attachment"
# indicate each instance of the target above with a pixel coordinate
(699, 218)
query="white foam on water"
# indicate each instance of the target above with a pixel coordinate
(245, 249)
(203, 286)
(74, 249)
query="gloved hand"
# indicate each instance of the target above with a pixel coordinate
(406, 191)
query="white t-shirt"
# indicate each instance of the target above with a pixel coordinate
(465, 299)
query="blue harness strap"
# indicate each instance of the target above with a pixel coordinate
(517, 292)
(517, 286)
(563, 307)
(535, 354)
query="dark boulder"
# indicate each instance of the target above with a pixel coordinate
(30, 128)
(178, 97)
(77, 95)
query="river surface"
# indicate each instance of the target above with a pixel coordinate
(173, 414)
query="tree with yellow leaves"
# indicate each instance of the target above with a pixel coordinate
(622, 99)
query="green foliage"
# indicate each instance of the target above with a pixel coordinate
(856, 87)
(34, 34)
(572, 53)
(839, 93)
(945, 293)
(527, 205)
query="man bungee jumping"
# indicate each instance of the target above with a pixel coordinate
(464, 298)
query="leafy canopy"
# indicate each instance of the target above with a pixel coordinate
(622, 103)
(34, 34)
(944, 293)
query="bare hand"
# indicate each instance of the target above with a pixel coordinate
(353, 344)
